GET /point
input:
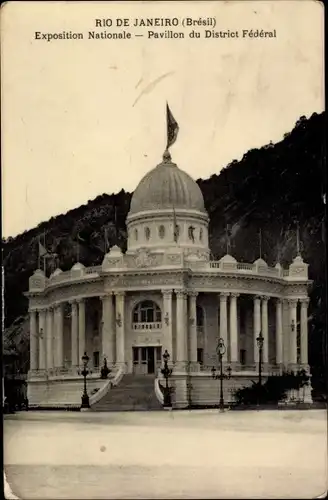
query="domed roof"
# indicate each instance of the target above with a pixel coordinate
(78, 266)
(167, 187)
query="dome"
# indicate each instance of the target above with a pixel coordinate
(228, 259)
(167, 187)
(78, 267)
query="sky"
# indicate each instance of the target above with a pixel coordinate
(86, 117)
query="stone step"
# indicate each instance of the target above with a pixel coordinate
(135, 392)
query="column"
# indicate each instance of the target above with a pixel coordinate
(265, 329)
(42, 339)
(59, 320)
(257, 326)
(167, 321)
(223, 333)
(286, 332)
(293, 331)
(192, 327)
(233, 328)
(304, 331)
(33, 341)
(279, 333)
(74, 334)
(120, 327)
(50, 346)
(107, 328)
(82, 346)
(181, 354)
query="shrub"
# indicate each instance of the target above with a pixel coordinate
(273, 390)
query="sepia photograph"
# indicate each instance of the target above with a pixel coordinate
(164, 250)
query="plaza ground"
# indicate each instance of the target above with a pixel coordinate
(177, 454)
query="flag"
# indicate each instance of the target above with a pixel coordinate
(175, 227)
(172, 128)
(42, 250)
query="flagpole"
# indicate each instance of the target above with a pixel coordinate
(228, 240)
(297, 238)
(44, 258)
(260, 243)
(39, 256)
(115, 222)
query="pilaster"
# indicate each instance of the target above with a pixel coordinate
(167, 322)
(108, 340)
(181, 334)
(42, 339)
(49, 336)
(82, 343)
(234, 329)
(193, 326)
(279, 333)
(257, 326)
(120, 326)
(223, 333)
(74, 334)
(304, 331)
(33, 341)
(293, 331)
(265, 329)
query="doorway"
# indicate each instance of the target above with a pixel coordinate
(146, 360)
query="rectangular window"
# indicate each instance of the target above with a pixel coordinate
(96, 359)
(144, 354)
(200, 356)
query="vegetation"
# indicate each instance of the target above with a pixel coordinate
(275, 389)
(269, 189)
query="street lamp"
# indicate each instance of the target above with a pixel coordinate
(166, 372)
(221, 349)
(259, 341)
(84, 373)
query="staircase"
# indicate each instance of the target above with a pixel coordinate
(134, 393)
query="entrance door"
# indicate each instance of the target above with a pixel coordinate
(151, 360)
(146, 359)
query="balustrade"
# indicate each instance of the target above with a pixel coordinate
(147, 326)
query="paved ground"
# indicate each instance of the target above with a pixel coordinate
(199, 454)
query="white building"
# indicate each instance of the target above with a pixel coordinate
(164, 293)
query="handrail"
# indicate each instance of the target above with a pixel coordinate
(158, 392)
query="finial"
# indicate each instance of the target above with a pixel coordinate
(166, 156)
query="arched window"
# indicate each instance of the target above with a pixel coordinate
(201, 234)
(147, 312)
(200, 316)
(136, 234)
(161, 231)
(147, 233)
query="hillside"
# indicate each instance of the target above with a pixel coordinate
(269, 189)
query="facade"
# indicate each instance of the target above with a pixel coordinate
(166, 293)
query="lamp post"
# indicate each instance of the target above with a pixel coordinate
(85, 398)
(259, 341)
(166, 372)
(221, 349)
